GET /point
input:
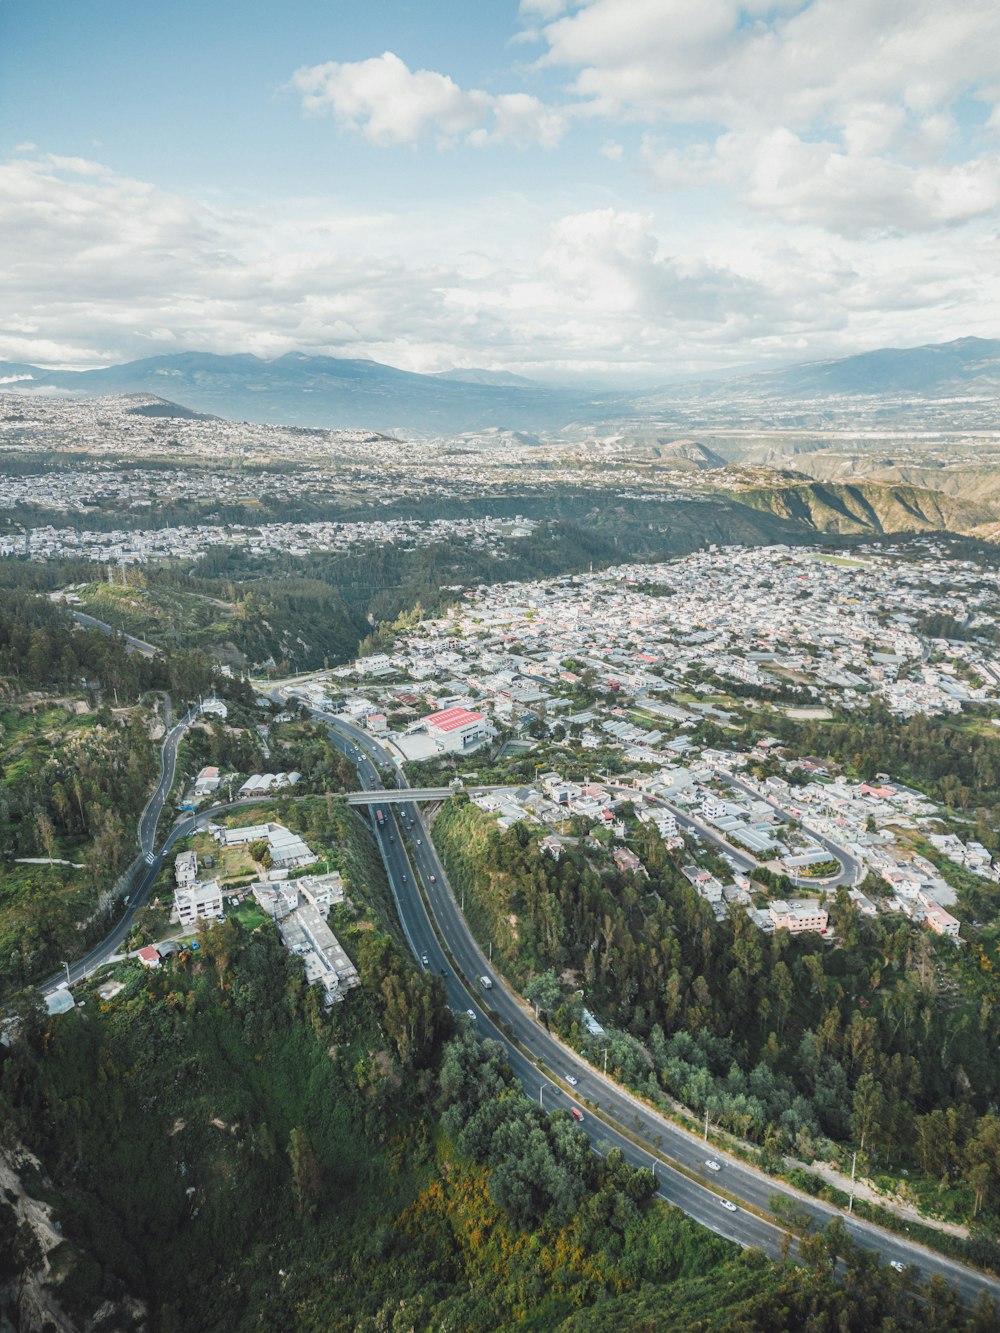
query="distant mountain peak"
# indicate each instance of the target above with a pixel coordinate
(502, 378)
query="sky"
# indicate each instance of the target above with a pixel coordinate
(600, 191)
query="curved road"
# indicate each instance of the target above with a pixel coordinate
(543, 1064)
(147, 842)
(852, 871)
(91, 622)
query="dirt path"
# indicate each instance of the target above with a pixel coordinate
(864, 1189)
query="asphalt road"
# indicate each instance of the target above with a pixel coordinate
(148, 822)
(543, 1064)
(140, 645)
(852, 871)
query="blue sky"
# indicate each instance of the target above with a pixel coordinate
(607, 190)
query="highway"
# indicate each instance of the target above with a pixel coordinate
(543, 1064)
(414, 794)
(548, 1070)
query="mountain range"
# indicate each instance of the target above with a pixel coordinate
(298, 389)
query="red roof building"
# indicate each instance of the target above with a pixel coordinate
(456, 728)
(451, 719)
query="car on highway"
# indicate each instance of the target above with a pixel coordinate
(729, 1206)
(471, 1013)
(576, 1113)
(433, 879)
(572, 1080)
(713, 1165)
(900, 1268)
(419, 843)
(425, 960)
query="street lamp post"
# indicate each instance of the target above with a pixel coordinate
(854, 1167)
(66, 966)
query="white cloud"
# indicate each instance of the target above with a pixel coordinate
(849, 190)
(97, 267)
(844, 113)
(391, 104)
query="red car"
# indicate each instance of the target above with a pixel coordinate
(575, 1113)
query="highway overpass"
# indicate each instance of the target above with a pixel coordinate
(388, 796)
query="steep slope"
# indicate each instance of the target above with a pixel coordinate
(864, 506)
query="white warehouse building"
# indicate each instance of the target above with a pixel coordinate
(456, 729)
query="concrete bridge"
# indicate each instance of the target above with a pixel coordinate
(404, 795)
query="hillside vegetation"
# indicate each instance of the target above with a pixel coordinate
(781, 1040)
(219, 1155)
(850, 508)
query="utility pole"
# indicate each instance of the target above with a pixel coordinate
(706, 1124)
(491, 951)
(66, 966)
(605, 1062)
(850, 1201)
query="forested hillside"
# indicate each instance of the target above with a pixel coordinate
(782, 1040)
(219, 1155)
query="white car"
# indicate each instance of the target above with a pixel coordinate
(572, 1080)
(425, 960)
(729, 1206)
(900, 1268)
(713, 1165)
(471, 1013)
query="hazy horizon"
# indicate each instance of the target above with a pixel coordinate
(616, 192)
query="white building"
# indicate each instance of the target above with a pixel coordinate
(207, 781)
(456, 729)
(186, 869)
(198, 901)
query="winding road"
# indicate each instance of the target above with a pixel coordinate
(148, 822)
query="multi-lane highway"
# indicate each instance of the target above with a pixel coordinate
(546, 1067)
(440, 940)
